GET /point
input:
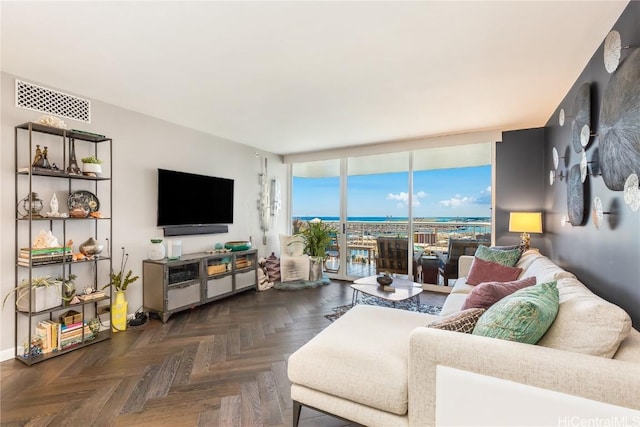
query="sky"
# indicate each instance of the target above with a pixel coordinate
(459, 192)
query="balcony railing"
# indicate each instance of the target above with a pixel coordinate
(428, 236)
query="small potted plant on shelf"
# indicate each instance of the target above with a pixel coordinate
(68, 287)
(45, 294)
(91, 166)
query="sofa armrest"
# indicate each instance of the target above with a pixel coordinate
(464, 265)
(549, 370)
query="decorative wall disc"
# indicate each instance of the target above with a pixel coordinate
(583, 166)
(582, 117)
(612, 47)
(597, 213)
(619, 130)
(585, 135)
(561, 117)
(552, 177)
(632, 192)
(575, 196)
(556, 158)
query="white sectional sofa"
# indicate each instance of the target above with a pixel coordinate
(383, 367)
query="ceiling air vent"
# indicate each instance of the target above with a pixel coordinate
(45, 100)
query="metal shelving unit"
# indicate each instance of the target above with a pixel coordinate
(30, 179)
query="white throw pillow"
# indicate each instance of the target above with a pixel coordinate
(291, 245)
(585, 322)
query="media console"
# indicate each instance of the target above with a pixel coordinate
(170, 286)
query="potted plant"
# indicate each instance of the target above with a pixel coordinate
(45, 294)
(91, 166)
(120, 281)
(68, 287)
(317, 237)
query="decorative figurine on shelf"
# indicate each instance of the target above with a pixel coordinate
(90, 247)
(45, 239)
(52, 121)
(45, 159)
(54, 209)
(73, 168)
(30, 205)
(37, 159)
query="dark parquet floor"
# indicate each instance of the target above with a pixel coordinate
(221, 364)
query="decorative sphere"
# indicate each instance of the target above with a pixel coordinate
(385, 280)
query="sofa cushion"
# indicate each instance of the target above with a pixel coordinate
(463, 321)
(586, 323)
(453, 304)
(523, 316)
(527, 258)
(485, 271)
(544, 270)
(349, 359)
(629, 350)
(462, 287)
(508, 257)
(486, 294)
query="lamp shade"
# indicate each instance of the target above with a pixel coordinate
(525, 222)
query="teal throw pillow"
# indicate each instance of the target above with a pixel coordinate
(524, 316)
(504, 257)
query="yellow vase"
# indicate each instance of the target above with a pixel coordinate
(119, 313)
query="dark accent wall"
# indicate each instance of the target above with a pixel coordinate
(519, 183)
(605, 260)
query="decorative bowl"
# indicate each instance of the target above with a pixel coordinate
(384, 280)
(238, 245)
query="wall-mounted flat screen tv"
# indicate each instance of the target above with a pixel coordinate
(191, 199)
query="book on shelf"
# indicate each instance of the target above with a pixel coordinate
(74, 337)
(45, 251)
(55, 327)
(75, 333)
(47, 331)
(44, 333)
(43, 259)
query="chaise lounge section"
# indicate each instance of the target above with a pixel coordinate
(380, 366)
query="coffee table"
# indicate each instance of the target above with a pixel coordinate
(405, 289)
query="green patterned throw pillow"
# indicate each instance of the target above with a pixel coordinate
(524, 316)
(504, 257)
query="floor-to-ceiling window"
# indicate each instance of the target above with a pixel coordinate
(316, 194)
(424, 196)
(377, 206)
(452, 188)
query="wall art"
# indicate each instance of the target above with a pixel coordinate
(619, 125)
(575, 196)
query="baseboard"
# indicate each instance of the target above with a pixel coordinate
(7, 354)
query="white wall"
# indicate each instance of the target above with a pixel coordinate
(141, 144)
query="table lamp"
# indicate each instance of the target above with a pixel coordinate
(525, 223)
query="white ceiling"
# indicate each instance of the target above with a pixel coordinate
(293, 77)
